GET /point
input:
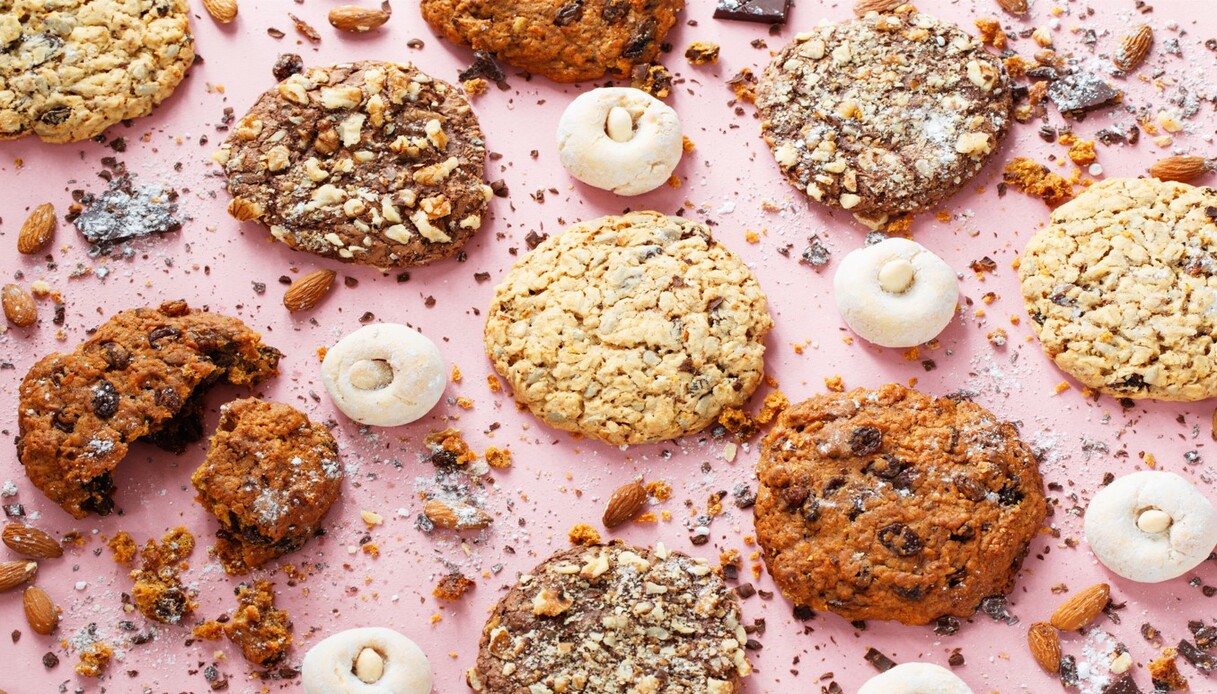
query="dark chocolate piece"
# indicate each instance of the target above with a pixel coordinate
(881, 662)
(1205, 662)
(1082, 92)
(764, 11)
(1124, 685)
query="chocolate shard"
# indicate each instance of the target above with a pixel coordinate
(881, 662)
(763, 11)
(1082, 92)
(1205, 662)
(1124, 685)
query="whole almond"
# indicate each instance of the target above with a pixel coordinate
(38, 229)
(1133, 48)
(865, 7)
(1015, 7)
(1182, 168)
(1045, 646)
(14, 573)
(307, 291)
(624, 504)
(31, 542)
(223, 11)
(456, 515)
(40, 611)
(1082, 608)
(19, 307)
(357, 19)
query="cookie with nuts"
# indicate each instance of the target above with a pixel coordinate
(614, 619)
(886, 114)
(893, 504)
(372, 163)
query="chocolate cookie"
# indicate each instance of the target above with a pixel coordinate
(885, 114)
(270, 476)
(370, 163)
(632, 329)
(141, 376)
(69, 69)
(892, 504)
(614, 619)
(565, 40)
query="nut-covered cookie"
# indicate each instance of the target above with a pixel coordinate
(69, 69)
(614, 619)
(1122, 288)
(141, 376)
(270, 476)
(892, 504)
(884, 114)
(370, 163)
(631, 329)
(565, 40)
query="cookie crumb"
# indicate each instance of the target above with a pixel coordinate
(1036, 180)
(583, 534)
(452, 586)
(123, 547)
(702, 53)
(158, 593)
(498, 457)
(652, 79)
(261, 631)
(94, 659)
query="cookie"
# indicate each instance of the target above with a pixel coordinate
(1122, 289)
(370, 163)
(916, 678)
(885, 114)
(620, 139)
(72, 68)
(614, 619)
(895, 293)
(385, 375)
(631, 329)
(262, 631)
(357, 660)
(565, 40)
(141, 376)
(270, 476)
(892, 504)
(1151, 526)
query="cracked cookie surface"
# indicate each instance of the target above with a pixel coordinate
(614, 619)
(1122, 288)
(892, 504)
(885, 114)
(69, 69)
(371, 163)
(632, 329)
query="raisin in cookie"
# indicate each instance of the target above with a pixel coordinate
(614, 619)
(370, 163)
(885, 114)
(565, 40)
(141, 376)
(631, 329)
(1122, 288)
(270, 476)
(69, 69)
(892, 504)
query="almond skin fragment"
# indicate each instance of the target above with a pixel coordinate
(307, 291)
(1082, 608)
(37, 230)
(1045, 646)
(40, 611)
(31, 542)
(624, 504)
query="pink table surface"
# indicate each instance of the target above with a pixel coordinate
(558, 481)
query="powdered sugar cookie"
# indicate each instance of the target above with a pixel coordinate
(384, 374)
(916, 678)
(371, 660)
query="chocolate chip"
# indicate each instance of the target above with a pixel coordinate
(946, 625)
(865, 440)
(1069, 671)
(158, 334)
(50, 660)
(803, 613)
(970, 488)
(638, 43)
(168, 399)
(901, 540)
(569, 13)
(105, 399)
(117, 357)
(811, 510)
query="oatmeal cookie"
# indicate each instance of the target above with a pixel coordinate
(565, 40)
(270, 476)
(885, 114)
(614, 619)
(370, 163)
(69, 69)
(631, 329)
(141, 376)
(1122, 288)
(892, 504)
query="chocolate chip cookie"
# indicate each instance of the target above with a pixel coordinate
(72, 68)
(370, 163)
(892, 504)
(614, 619)
(631, 329)
(565, 40)
(141, 376)
(1122, 288)
(885, 114)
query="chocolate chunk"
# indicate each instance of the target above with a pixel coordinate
(881, 662)
(763, 11)
(125, 212)
(816, 254)
(901, 539)
(484, 67)
(1202, 661)
(1205, 635)
(1124, 685)
(1069, 671)
(105, 399)
(287, 65)
(1081, 92)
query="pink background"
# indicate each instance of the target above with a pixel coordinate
(558, 481)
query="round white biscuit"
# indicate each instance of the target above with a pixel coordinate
(1151, 526)
(384, 374)
(915, 678)
(620, 139)
(371, 660)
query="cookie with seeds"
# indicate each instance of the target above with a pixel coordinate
(631, 329)
(1122, 288)
(893, 504)
(885, 114)
(614, 619)
(72, 68)
(372, 163)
